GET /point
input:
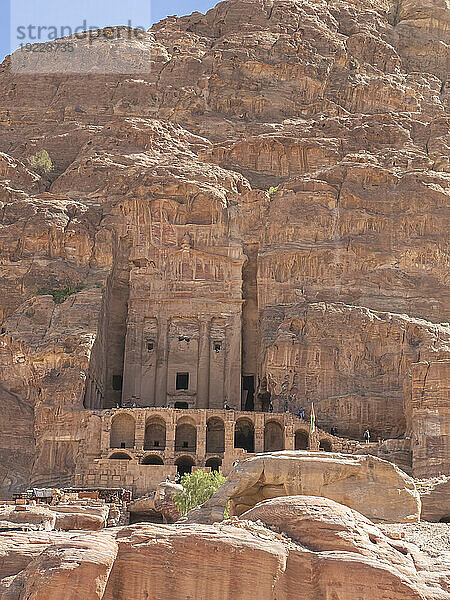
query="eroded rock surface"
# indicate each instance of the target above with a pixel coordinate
(160, 505)
(59, 517)
(307, 543)
(376, 488)
(435, 498)
(69, 570)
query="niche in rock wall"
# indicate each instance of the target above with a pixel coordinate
(250, 313)
(107, 360)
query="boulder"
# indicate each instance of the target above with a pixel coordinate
(60, 517)
(76, 569)
(335, 532)
(73, 521)
(374, 487)
(28, 517)
(164, 501)
(71, 517)
(18, 549)
(157, 506)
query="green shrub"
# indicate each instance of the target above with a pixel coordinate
(198, 488)
(60, 295)
(272, 190)
(41, 162)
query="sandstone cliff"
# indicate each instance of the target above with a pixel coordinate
(300, 151)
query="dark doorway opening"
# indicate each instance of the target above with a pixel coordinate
(215, 436)
(301, 440)
(117, 383)
(184, 465)
(182, 381)
(248, 392)
(214, 464)
(185, 437)
(155, 434)
(122, 434)
(183, 405)
(147, 517)
(244, 435)
(273, 437)
(325, 446)
(152, 459)
(120, 456)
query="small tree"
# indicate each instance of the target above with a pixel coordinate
(41, 162)
(198, 488)
(272, 190)
(60, 295)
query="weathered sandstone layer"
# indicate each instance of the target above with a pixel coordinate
(374, 487)
(298, 543)
(266, 209)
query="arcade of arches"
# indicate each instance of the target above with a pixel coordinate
(143, 446)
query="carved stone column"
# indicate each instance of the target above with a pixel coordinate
(289, 437)
(233, 373)
(169, 453)
(314, 441)
(201, 437)
(106, 433)
(259, 433)
(132, 368)
(229, 437)
(162, 358)
(203, 364)
(139, 435)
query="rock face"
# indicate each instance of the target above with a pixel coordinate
(87, 518)
(262, 216)
(76, 568)
(165, 503)
(374, 487)
(60, 517)
(17, 550)
(435, 498)
(33, 517)
(159, 506)
(430, 418)
(313, 545)
(353, 363)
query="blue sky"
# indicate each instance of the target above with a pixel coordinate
(72, 13)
